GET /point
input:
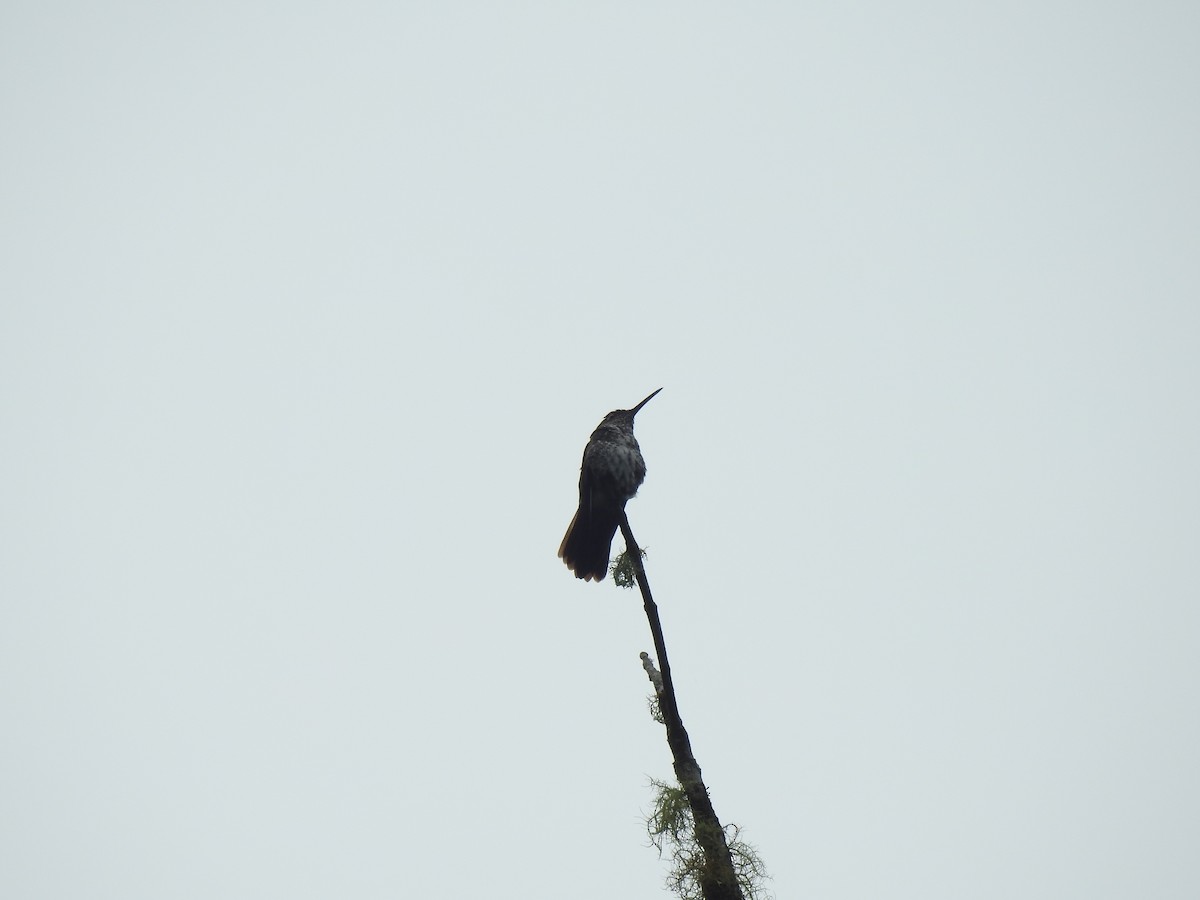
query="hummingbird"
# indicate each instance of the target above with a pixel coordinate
(612, 471)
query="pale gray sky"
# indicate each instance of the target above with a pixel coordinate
(308, 310)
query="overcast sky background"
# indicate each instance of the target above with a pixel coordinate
(307, 311)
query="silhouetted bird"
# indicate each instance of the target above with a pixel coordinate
(611, 473)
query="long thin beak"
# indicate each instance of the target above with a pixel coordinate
(633, 412)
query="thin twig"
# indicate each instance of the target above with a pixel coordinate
(718, 882)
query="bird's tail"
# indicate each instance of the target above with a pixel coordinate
(587, 545)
